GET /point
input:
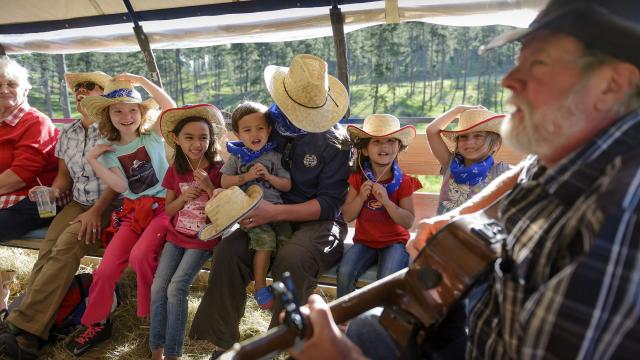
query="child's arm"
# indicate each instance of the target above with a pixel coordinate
(174, 204)
(280, 183)
(228, 181)
(113, 177)
(402, 214)
(434, 140)
(355, 200)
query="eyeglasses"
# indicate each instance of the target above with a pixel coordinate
(10, 85)
(89, 85)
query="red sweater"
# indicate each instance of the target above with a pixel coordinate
(28, 150)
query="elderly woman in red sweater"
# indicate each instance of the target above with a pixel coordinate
(27, 144)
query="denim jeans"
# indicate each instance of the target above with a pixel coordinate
(169, 304)
(19, 219)
(359, 258)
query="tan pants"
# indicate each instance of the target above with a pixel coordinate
(57, 263)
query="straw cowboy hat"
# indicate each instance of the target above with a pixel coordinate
(382, 125)
(171, 117)
(310, 98)
(98, 77)
(608, 26)
(471, 121)
(115, 91)
(227, 208)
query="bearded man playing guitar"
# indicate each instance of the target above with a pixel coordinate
(567, 282)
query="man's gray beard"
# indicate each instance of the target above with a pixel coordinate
(544, 132)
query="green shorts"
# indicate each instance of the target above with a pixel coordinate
(270, 236)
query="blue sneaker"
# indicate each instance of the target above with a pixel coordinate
(264, 298)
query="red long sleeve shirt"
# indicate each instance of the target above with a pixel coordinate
(27, 148)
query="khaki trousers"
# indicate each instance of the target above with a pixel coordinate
(58, 261)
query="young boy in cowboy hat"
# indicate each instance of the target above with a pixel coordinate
(379, 199)
(308, 105)
(465, 153)
(64, 245)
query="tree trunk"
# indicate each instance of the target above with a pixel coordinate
(64, 98)
(179, 86)
(45, 87)
(465, 68)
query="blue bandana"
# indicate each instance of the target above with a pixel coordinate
(394, 184)
(245, 154)
(126, 94)
(282, 124)
(473, 174)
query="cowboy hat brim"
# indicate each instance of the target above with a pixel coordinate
(405, 134)
(98, 77)
(317, 119)
(491, 124)
(211, 231)
(171, 117)
(94, 105)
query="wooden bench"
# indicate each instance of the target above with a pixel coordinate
(417, 160)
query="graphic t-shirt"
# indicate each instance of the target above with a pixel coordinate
(272, 161)
(142, 162)
(191, 218)
(374, 226)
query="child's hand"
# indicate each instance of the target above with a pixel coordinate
(365, 190)
(98, 150)
(136, 80)
(380, 193)
(261, 171)
(202, 179)
(191, 193)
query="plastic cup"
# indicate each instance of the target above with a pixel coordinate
(46, 207)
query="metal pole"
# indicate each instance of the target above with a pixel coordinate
(340, 43)
(143, 42)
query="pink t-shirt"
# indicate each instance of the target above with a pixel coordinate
(188, 220)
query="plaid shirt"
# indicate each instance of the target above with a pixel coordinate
(7, 201)
(72, 147)
(573, 291)
(17, 114)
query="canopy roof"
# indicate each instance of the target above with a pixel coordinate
(72, 26)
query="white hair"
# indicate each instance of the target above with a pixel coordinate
(10, 69)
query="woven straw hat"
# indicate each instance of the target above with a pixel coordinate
(471, 121)
(310, 98)
(115, 91)
(227, 208)
(98, 77)
(171, 117)
(382, 125)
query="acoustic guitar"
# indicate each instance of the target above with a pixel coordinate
(415, 299)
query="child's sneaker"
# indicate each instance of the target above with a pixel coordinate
(89, 337)
(264, 298)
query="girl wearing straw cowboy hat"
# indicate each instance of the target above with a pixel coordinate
(380, 199)
(308, 103)
(132, 161)
(465, 153)
(195, 132)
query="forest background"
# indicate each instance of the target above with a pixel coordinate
(412, 69)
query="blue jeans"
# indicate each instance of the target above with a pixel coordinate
(19, 219)
(359, 258)
(169, 304)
